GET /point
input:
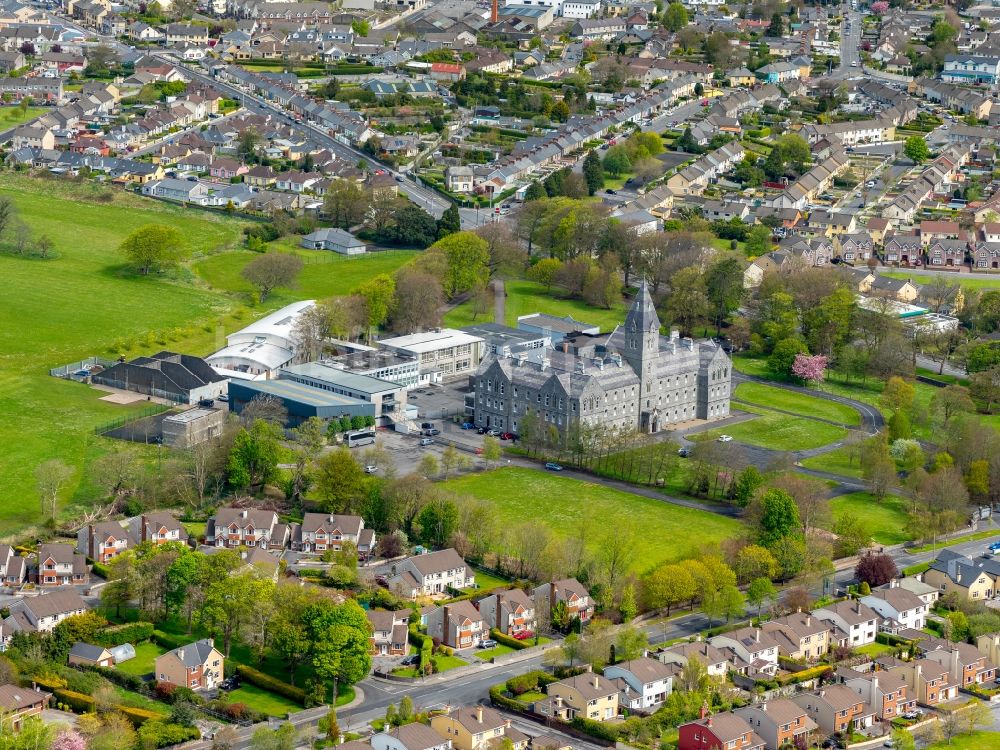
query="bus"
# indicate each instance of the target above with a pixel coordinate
(361, 437)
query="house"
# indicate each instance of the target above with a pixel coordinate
(103, 541)
(886, 693)
(836, 709)
(989, 646)
(13, 567)
(158, 528)
(390, 633)
(570, 592)
(716, 662)
(928, 682)
(970, 579)
(943, 252)
(246, 527)
(60, 565)
(458, 179)
(852, 623)
(84, 654)
(967, 667)
(899, 608)
(939, 230)
(587, 695)
(18, 703)
(472, 728)
(716, 732)
(511, 612)
(877, 227)
(197, 665)
(431, 573)
(800, 635)
(832, 223)
(42, 613)
(458, 625)
(756, 651)
(901, 290)
(334, 239)
(319, 532)
(780, 723)
(856, 247)
(927, 593)
(651, 680)
(415, 736)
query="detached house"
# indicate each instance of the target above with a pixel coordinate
(971, 579)
(569, 591)
(197, 665)
(471, 728)
(716, 662)
(103, 541)
(13, 567)
(651, 681)
(458, 625)
(18, 703)
(322, 531)
(432, 573)
(727, 731)
(60, 565)
(884, 691)
(587, 695)
(780, 723)
(899, 608)
(852, 623)
(511, 612)
(246, 527)
(390, 633)
(836, 708)
(157, 528)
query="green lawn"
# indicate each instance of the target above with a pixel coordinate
(487, 581)
(966, 283)
(266, 702)
(809, 406)
(837, 461)
(445, 663)
(780, 432)
(662, 531)
(873, 649)
(135, 700)
(983, 740)
(82, 303)
(145, 656)
(886, 521)
(463, 315)
(489, 653)
(12, 116)
(526, 297)
(325, 274)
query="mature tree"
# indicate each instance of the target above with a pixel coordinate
(593, 172)
(413, 227)
(507, 257)
(915, 147)
(775, 515)
(876, 570)
(951, 401)
(675, 17)
(724, 289)
(345, 203)
(51, 477)
(745, 487)
(877, 466)
(153, 246)
(8, 214)
(688, 301)
(253, 460)
(810, 496)
(985, 386)
(418, 301)
(271, 270)
(667, 586)
(468, 262)
(285, 737)
(314, 326)
(340, 482)
(784, 355)
(266, 408)
(759, 591)
(616, 161)
(852, 535)
(339, 634)
(754, 561)
(379, 293)
(450, 221)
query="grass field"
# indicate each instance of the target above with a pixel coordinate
(79, 304)
(325, 274)
(886, 521)
(13, 116)
(486, 581)
(780, 432)
(837, 461)
(565, 505)
(263, 701)
(526, 297)
(966, 283)
(145, 658)
(809, 406)
(984, 740)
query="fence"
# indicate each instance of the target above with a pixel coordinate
(331, 257)
(119, 422)
(66, 371)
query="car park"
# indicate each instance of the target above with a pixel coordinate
(426, 441)
(432, 432)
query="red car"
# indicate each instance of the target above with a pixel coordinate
(506, 435)
(524, 635)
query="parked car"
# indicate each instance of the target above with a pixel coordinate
(684, 452)
(506, 435)
(480, 451)
(432, 431)
(426, 425)
(481, 431)
(725, 438)
(371, 469)
(995, 547)
(493, 433)
(230, 683)
(523, 635)
(426, 441)
(914, 714)
(609, 191)
(468, 426)
(410, 661)
(553, 466)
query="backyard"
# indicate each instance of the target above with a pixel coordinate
(572, 507)
(145, 658)
(263, 701)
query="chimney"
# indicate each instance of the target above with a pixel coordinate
(445, 616)
(763, 706)
(597, 682)
(822, 693)
(495, 13)
(956, 669)
(244, 513)
(180, 653)
(809, 620)
(479, 709)
(704, 711)
(708, 721)
(565, 347)
(545, 364)
(757, 634)
(873, 691)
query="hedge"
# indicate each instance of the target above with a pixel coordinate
(102, 570)
(168, 640)
(805, 674)
(498, 699)
(129, 681)
(78, 702)
(597, 729)
(889, 639)
(158, 734)
(138, 716)
(50, 683)
(506, 640)
(130, 632)
(266, 682)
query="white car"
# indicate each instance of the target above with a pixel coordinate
(370, 469)
(725, 438)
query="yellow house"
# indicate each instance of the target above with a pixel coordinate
(968, 578)
(588, 695)
(478, 727)
(741, 77)
(989, 646)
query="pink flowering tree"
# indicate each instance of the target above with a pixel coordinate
(880, 8)
(809, 368)
(69, 740)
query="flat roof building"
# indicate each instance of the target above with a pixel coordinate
(302, 401)
(381, 364)
(192, 427)
(554, 327)
(444, 354)
(503, 340)
(388, 399)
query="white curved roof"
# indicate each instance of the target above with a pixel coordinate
(276, 325)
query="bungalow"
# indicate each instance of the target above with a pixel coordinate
(511, 612)
(490, 61)
(431, 573)
(902, 290)
(587, 695)
(899, 608)
(836, 709)
(334, 239)
(458, 625)
(472, 728)
(852, 623)
(651, 680)
(260, 176)
(885, 692)
(390, 632)
(85, 654)
(441, 71)
(780, 723)
(568, 591)
(59, 565)
(720, 731)
(227, 169)
(18, 703)
(103, 541)
(182, 191)
(197, 665)
(927, 681)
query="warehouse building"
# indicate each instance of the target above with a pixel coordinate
(388, 399)
(180, 378)
(300, 400)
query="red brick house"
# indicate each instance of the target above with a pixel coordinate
(720, 732)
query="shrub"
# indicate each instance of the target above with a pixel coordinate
(498, 699)
(266, 682)
(129, 681)
(156, 734)
(77, 702)
(597, 729)
(168, 640)
(138, 716)
(889, 639)
(521, 684)
(804, 675)
(131, 632)
(102, 570)
(506, 640)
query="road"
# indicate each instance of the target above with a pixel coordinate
(850, 40)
